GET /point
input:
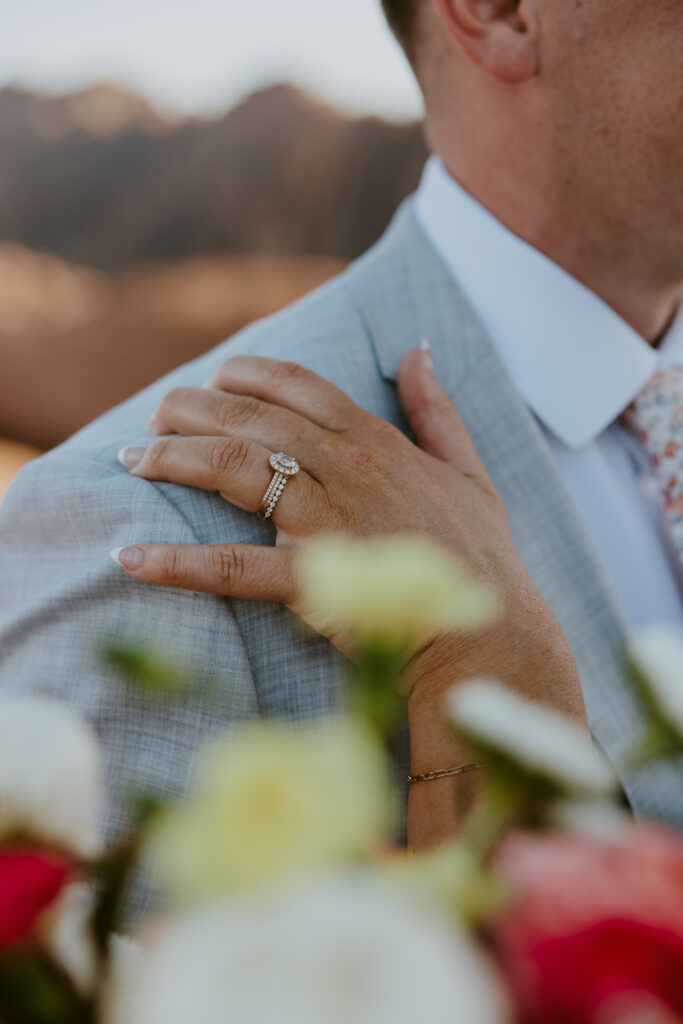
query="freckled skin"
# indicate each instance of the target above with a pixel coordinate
(615, 78)
(584, 158)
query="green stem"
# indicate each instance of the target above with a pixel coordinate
(375, 689)
(34, 989)
(656, 744)
(487, 823)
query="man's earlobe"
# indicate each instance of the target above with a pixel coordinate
(500, 35)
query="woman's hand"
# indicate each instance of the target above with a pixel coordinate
(359, 475)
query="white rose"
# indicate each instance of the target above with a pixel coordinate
(49, 775)
(657, 653)
(540, 742)
(344, 949)
(124, 985)
(66, 932)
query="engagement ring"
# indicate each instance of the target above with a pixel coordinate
(284, 467)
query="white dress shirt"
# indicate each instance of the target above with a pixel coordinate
(577, 365)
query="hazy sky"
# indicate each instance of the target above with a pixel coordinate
(202, 55)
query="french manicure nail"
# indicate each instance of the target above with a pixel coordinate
(129, 558)
(132, 456)
(427, 357)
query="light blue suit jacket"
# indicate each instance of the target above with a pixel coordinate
(61, 596)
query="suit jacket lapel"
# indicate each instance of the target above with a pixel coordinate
(410, 295)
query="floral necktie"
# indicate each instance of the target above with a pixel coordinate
(655, 418)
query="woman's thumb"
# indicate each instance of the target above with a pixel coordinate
(433, 417)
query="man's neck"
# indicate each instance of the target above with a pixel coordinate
(648, 306)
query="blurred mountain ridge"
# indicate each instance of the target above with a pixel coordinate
(102, 179)
(103, 110)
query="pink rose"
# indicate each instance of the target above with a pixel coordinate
(30, 882)
(595, 933)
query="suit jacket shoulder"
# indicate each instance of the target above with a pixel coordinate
(61, 598)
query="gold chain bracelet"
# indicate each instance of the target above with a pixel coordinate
(443, 773)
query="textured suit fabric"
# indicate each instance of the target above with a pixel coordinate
(61, 597)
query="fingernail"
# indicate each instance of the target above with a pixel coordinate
(208, 384)
(129, 558)
(427, 358)
(132, 457)
(152, 424)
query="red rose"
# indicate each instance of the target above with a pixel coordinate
(30, 882)
(595, 934)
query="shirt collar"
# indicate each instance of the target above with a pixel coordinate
(575, 362)
(670, 350)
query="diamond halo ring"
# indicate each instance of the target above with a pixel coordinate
(284, 467)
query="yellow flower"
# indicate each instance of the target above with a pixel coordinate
(392, 591)
(275, 800)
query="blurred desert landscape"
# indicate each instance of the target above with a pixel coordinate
(130, 242)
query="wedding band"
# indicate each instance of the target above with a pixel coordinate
(284, 467)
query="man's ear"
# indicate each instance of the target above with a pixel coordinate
(500, 35)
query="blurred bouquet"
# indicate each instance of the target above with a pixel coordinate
(285, 901)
